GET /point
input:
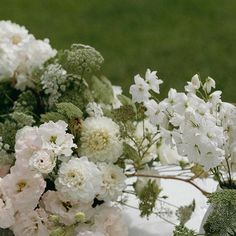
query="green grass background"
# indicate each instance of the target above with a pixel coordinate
(178, 38)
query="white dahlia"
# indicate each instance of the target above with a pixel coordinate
(24, 187)
(79, 180)
(100, 139)
(6, 209)
(113, 182)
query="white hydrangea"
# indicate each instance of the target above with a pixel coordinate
(33, 223)
(55, 138)
(100, 139)
(24, 188)
(42, 161)
(94, 109)
(55, 204)
(6, 209)
(109, 221)
(113, 182)
(21, 54)
(79, 180)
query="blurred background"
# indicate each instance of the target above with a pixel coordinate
(178, 38)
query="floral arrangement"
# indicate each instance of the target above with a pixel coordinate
(73, 146)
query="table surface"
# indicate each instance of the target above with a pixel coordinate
(179, 193)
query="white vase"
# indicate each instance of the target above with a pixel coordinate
(208, 212)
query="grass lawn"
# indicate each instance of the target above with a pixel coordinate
(176, 37)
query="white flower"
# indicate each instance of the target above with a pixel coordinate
(168, 155)
(194, 85)
(24, 188)
(6, 209)
(139, 90)
(42, 161)
(109, 221)
(33, 223)
(100, 139)
(79, 180)
(55, 138)
(55, 204)
(152, 79)
(113, 182)
(27, 142)
(94, 109)
(90, 233)
(209, 84)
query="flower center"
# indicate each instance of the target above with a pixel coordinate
(21, 185)
(98, 140)
(16, 39)
(75, 178)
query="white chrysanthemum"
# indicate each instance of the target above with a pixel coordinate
(109, 221)
(79, 180)
(24, 188)
(55, 204)
(113, 182)
(6, 209)
(100, 139)
(42, 161)
(94, 109)
(33, 223)
(55, 138)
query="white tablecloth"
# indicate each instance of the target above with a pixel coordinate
(179, 193)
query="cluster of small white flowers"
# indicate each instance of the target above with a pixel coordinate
(94, 109)
(21, 54)
(140, 91)
(54, 82)
(196, 123)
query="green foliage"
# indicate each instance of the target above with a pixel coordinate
(131, 153)
(6, 232)
(101, 89)
(181, 230)
(184, 213)
(26, 102)
(148, 197)
(69, 110)
(22, 119)
(124, 113)
(222, 219)
(81, 60)
(53, 116)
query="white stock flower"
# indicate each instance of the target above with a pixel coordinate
(6, 209)
(42, 161)
(113, 182)
(24, 188)
(94, 109)
(79, 180)
(153, 81)
(55, 138)
(109, 221)
(139, 90)
(33, 223)
(209, 84)
(100, 139)
(55, 204)
(194, 85)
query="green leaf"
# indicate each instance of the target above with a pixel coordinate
(130, 153)
(184, 213)
(69, 110)
(52, 116)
